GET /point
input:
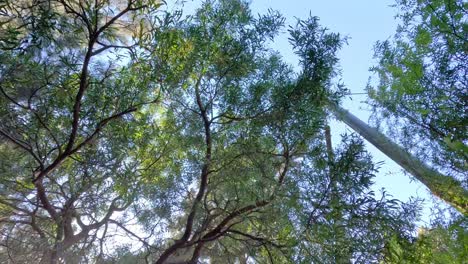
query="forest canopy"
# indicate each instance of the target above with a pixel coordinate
(133, 133)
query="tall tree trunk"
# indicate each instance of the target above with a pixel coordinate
(445, 187)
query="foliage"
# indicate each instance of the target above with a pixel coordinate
(187, 135)
(445, 242)
(65, 130)
(422, 82)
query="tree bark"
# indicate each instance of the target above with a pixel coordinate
(445, 187)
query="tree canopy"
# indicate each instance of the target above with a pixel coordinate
(186, 135)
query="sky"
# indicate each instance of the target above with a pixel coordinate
(363, 22)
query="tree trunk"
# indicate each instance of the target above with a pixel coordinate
(445, 187)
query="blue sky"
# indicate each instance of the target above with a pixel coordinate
(364, 22)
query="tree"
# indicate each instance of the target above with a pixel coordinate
(60, 95)
(445, 187)
(422, 78)
(421, 89)
(256, 148)
(116, 114)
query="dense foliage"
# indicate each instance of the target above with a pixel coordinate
(187, 136)
(444, 242)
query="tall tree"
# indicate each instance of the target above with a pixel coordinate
(445, 187)
(422, 80)
(421, 93)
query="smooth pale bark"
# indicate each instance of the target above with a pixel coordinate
(445, 187)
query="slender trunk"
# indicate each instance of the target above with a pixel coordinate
(445, 187)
